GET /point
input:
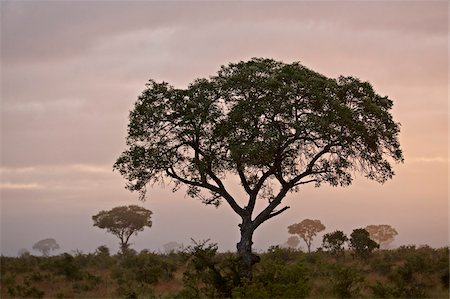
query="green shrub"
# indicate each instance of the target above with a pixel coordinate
(346, 281)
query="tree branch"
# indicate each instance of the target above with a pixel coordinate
(275, 213)
(220, 189)
(306, 182)
(310, 166)
(244, 180)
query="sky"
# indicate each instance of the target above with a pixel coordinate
(72, 70)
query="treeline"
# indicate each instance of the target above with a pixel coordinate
(199, 271)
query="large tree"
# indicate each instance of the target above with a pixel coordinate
(123, 222)
(275, 126)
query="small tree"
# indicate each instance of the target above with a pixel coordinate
(307, 230)
(23, 252)
(45, 246)
(383, 234)
(361, 243)
(292, 242)
(334, 242)
(123, 222)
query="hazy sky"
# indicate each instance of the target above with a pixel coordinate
(71, 71)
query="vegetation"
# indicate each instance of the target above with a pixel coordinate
(334, 242)
(123, 222)
(307, 230)
(275, 126)
(361, 243)
(383, 234)
(45, 246)
(200, 271)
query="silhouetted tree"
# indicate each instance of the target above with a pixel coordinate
(383, 234)
(361, 243)
(123, 222)
(334, 242)
(307, 230)
(102, 250)
(45, 246)
(275, 126)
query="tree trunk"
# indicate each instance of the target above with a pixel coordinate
(244, 248)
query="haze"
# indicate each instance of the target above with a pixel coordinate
(71, 72)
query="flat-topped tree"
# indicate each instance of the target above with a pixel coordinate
(123, 222)
(46, 245)
(275, 126)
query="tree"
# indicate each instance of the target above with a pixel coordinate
(292, 242)
(334, 242)
(123, 222)
(383, 234)
(23, 252)
(274, 126)
(361, 243)
(45, 246)
(307, 230)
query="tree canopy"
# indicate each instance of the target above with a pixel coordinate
(307, 230)
(46, 245)
(123, 222)
(334, 242)
(273, 125)
(361, 243)
(383, 234)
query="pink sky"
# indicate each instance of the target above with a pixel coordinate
(71, 72)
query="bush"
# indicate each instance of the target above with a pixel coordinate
(346, 281)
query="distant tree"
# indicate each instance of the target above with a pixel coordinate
(23, 252)
(383, 234)
(334, 242)
(45, 246)
(275, 126)
(361, 243)
(123, 222)
(292, 242)
(172, 247)
(306, 230)
(102, 250)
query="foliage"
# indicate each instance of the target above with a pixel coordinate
(136, 273)
(383, 234)
(346, 281)
(334, 242)
(208, 274)
(276, 126)
(67, 266)
(307, 230)
(123, 222)
(361, 243)
(203, 272)
(45, 246)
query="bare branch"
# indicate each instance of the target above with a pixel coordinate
(275, 213)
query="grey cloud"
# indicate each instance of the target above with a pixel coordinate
(43, 31)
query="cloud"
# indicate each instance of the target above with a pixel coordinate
(9, 185)
(428, 159)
